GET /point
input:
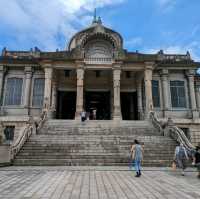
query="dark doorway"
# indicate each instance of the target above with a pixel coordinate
(66, 105)
(129, 106)
(99, 101)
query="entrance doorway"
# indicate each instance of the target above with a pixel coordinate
(99, 101)
(129, 106)
(66, 107)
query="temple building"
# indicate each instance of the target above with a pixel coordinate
(96, 72)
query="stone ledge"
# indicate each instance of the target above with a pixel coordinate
(14, 118)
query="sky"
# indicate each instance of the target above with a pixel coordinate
(145, 25)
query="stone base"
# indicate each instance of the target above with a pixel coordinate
(51, 114)
(118, 118)
(195, 114)
(5, 157)
(166, 113)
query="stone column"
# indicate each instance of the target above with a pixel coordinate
(116, 91)
(165, 93)
(48, 88)
(148, 88)
(190, 75)
(54, 98)
(79, 94)
(2, 73)
(197, 92)
(27, 92)
(139, 98)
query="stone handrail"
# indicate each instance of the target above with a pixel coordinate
(177, 134)
(156, 123)
(172, 130)
(27, 132)
(42, 120)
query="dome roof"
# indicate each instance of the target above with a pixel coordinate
(96, 31)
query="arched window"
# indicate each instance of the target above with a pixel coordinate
(98, 49)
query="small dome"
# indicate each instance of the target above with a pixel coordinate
(96, 32)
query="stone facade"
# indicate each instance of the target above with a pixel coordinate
(95, 63)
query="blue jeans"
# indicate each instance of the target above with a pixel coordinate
(131, 164)
(137, 165)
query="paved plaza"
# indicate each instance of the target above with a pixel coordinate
(96, 182)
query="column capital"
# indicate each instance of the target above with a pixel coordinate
(3, 70)
(28, 71)
(164, 72)
(80, 73)
(117, 66)
(46, 64)
(48, 72)
(116, 75)
(80, 64)
(149, 65)
(190, 73)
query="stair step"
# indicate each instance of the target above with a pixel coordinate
(65, 142)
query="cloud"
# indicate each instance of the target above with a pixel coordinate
(46, 22)
(166, 5)
(135, 41)
(193, 48)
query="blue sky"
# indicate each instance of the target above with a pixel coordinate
(146, 25)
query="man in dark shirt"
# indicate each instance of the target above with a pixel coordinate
(196, 161)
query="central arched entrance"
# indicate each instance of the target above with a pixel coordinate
(99, 101)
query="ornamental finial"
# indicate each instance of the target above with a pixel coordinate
(95, 16)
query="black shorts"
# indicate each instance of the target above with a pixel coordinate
(83, 119)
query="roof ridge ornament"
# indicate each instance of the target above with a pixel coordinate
(95, 16)
(96, 20)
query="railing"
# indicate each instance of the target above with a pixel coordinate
(98, 60)
(156, 123)
(42, 120)
(27, 132)
(173, 131)
(177, 134)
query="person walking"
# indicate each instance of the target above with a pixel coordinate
(180, 158)
(83, 116)
(137, 155)
(196, 160)
(94, 113)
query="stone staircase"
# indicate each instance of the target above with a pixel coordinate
(95, 143)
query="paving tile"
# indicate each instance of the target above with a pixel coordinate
(96, 183)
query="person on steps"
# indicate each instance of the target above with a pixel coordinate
(180, 158)
(137, 155)
(196, 160)
(83, 116)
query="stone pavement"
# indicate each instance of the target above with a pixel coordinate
(96, 182)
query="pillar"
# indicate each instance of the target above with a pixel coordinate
(2, 73)
(116, 92)
(148, 88)
(79, 94)
(48, 89)
(197, 91)
(139, 98)
(27, 92)
(190, 75)
(54, 98)
(165, 93)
